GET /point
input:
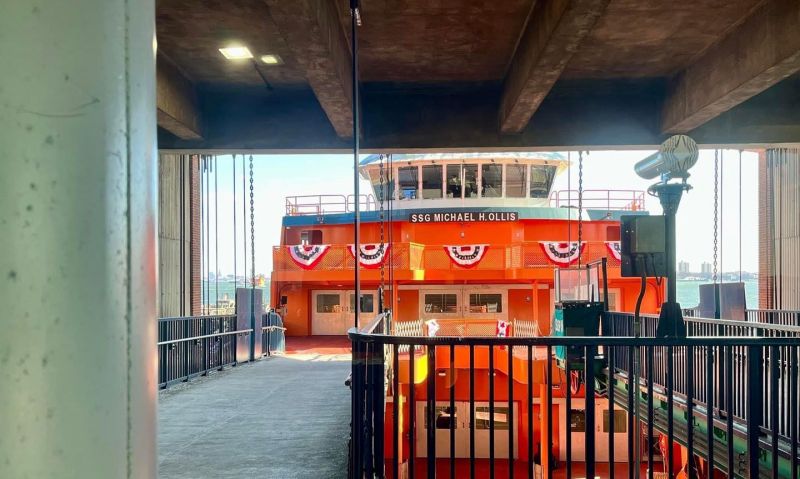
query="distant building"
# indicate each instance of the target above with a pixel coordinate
(705, 268)
(683, 267)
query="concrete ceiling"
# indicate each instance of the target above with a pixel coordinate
(479, 73)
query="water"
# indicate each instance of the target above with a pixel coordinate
(227, 288)
(689, 294)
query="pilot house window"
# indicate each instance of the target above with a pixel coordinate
(541, 180)
(492, 181)
(407, 182)
(515, 181)
(432, 181)
(453, 181)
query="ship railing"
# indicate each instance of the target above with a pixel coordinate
(315, 205)
(727, 367)
(192, 346)
(459, 387)
(414, 256)
(609, 200)
(339, 258)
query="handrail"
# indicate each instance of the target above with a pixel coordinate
(212, 335)
(749, 323)
(744, 324)
(378, 320)
(310, 205)
(609, 341)
(203, 316)
(611, 200)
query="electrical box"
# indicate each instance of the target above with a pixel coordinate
(643, 246)
(578, 310)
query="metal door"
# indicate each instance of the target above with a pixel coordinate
(328, 316)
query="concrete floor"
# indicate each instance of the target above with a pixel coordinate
(283, 418)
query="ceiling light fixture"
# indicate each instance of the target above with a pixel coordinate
(271, 59)
(236, 53)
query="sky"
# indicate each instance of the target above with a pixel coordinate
(278, 176)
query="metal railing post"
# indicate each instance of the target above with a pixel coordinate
(755, 408)
(591, 352)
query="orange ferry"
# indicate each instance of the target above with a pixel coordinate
(467, 245)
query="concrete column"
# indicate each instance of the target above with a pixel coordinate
(78, 274)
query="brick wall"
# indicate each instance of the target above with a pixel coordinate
(196, 246)
(766, 276)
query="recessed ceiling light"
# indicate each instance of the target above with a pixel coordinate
(271, 59)
(236, 53)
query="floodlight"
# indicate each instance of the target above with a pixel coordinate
(672, 160)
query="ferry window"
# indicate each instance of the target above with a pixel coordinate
(328, 303)
(620, 421)
(454, 181)
(311, 237)
(408, 181)
(432, 181)
(486, 303)
(577, 421)
(441, 303)
(367, 303)
(492, 180)
(444, 417)
(482, 417)
(470, 181)
(541, 180)
(515, 181)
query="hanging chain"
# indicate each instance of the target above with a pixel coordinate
(716, 210)
(580, 205)
(382, 181)
(740, 216)
(252, 228)
(569, 198)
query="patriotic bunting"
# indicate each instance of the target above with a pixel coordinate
(466, 256)
(502, 331)
(614, 249)
(562, 254)
(307, 256)
(433, 327)
(370, 255)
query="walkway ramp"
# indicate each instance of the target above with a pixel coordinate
(283, 417)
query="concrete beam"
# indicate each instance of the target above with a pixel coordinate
(176, 101)
(313, 32)
(554, 31)
(761, 52)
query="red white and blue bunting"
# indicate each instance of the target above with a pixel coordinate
(307, 256)
(433, 327)
(562, 254)
(466, 256)
(370, 255)
(614, 250)
(502, 331)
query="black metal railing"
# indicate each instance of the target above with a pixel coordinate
(485, 425)
(192, 346)
(273, 334)
(757, 323)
